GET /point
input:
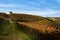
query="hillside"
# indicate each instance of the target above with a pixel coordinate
(25, 17)
(28, 27)
(3, 15)
(56, 19)
(42, 26)
(10, 31)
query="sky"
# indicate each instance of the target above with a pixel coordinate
(46, 8)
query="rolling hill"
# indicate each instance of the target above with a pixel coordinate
(3, 15)
(30, 27)
(25, 17)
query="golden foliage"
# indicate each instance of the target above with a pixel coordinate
(42, 26)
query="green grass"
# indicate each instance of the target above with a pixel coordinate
(4, 25)
(9, 29)
(23, 35)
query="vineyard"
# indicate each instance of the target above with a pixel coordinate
(25, 17)
(28, 27)
(42, 30)
(4, 15)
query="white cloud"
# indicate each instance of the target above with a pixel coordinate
(40, 13)
(36, 10)
(47, 12)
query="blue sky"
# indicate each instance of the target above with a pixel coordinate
(47, 8)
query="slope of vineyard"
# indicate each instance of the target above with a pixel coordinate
(28, 27)
(41, 30)
(3, 15)
(36, 22)
(56, 19)
(43, 25)
(25, 17)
